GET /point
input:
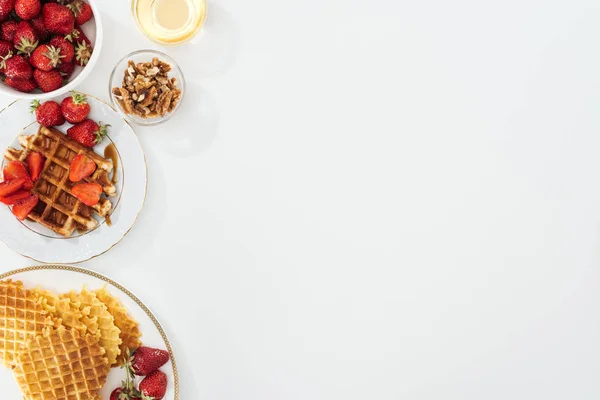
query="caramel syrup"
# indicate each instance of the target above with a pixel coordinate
(108, 220)
(111, 152)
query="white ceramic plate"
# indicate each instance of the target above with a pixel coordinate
(65, 278)
(41, 244)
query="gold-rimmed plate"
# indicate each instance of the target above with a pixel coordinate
(42, 244)
(63, 278)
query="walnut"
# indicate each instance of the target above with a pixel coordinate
(146, 90)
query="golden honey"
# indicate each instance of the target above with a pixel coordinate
(169, 21)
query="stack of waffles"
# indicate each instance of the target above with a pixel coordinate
(63, 346)
(58, 209)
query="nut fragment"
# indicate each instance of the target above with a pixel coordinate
(147, 91)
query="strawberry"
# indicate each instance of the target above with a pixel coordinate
(48, 81)
(40, 28)
(147, 359)
(154, 385)
(28, 9)
(26, 38)
(22, 85)
(17, 67)
(22, 208)
(88, 193)
(6, 7)
(58, 19)
(45, 57)
(77, 36)
(6, 52)
(115, 394)
(7, 30)
(81, 168)
(75, 108)
(16, 196)
(82, 11)
(87, 132)
(15, 170)
(66, 69)
(9, 187)
(35, 162)
(83, 53)
(47, 113)
(67, 51)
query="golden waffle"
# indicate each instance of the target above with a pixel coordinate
(130, 332)
(96, 310)
(58, 209)
(21, 317)
(63, 311)
(62, 364)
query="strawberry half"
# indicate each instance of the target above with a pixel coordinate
(81, 168)
(23, 208)
(15, 170)
(16, 196)
(88, 193)
(9, 187)
(35, 162)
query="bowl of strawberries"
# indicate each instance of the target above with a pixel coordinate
(47, 47)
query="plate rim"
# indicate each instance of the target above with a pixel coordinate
(122, 288)
(145, 187)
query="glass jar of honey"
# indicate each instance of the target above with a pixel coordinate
(169, 21)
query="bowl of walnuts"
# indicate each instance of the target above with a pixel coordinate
(47, 48)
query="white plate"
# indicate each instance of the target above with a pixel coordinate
(41, 244)
(65, 278)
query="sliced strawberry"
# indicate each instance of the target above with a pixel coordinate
(15, 170)
(35, 162)
(88, 193)
(16, 196)
(22, 208)
(81, 168)
(9, 187)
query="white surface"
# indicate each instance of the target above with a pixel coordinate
(374, 200)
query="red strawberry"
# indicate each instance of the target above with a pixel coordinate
(67, 51)
(81, 168)
(58, 19)
(66, 69)
(9, 187)
(6, 7)
(22, 85)
(87, 132)
(26, 38)
(22, 208)
(28, 9)
(6, 52)
(48, 81)
(154, 385)
(147, 359)
(16, 196)
(40, 28)
(7, 30)
(35, 162)
(82, 11)
(17, 67)
(75, 108)
(77, 36)
(115, 394)
(15, 170)
(88, 193)
(83, 53)
(45, 57)
(47, 113)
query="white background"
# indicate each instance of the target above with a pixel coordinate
(374, 200)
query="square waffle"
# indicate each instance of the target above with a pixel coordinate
(57, 208)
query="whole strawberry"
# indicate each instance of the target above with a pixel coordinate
(17, 67)
(83, 53)
(154, 385)
(7, 30)
(6, 52)
(77, 36)
(27, 9)
(45, 57)
(48, 81)
(87, 133)
(25, 38)
(82, 11)
(40, 28)
(22, 85)
(75, 107)
(147, 359)
(47, 113)
(66, 69)
(58, 19)
(67, 51)
(6, 7)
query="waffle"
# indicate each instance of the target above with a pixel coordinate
(63, 311)
(130, 332)
(62, 364)
(58, 209)
(97, 311)
(21, 317)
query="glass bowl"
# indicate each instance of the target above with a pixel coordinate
(118, 73)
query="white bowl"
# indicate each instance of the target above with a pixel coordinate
(93, 30)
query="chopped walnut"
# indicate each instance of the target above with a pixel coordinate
(147, 91)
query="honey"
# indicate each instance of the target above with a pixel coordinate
(170, 21)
